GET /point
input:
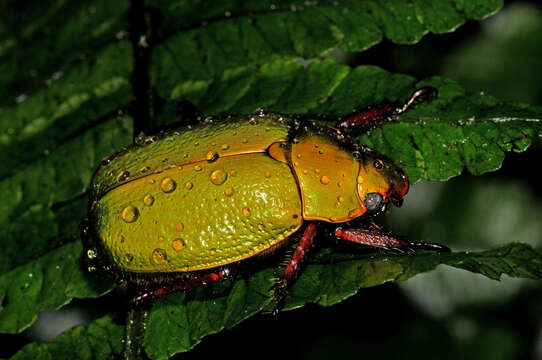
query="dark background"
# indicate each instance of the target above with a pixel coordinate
(448, 313)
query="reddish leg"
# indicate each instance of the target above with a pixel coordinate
(184, 285)
(384, 241)
(294, 265)
(292, 270)
(383, 112)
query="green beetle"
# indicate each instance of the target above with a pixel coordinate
(179, 210)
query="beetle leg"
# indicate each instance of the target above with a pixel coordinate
(294, 265)
(184, 285)
(373, 115)
(385, 241)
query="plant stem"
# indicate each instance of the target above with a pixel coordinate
(134, 334)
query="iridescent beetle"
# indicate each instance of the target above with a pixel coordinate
(182, 209)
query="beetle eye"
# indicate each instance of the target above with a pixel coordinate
(372, 201)
(378, 164)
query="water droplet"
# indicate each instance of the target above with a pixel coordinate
(168, 185)
(225, 147)
(161, 238)
(317, 171)
(244, 140)
(91, 254)
(145, 169)
(148, 200)
(212, 156)
(246, 212)
(299, 156)
(189, 185)
(123, 176)
(321, 152)
(228, 191)
(179, 227)
(130, 214)
(198, 167)
(218, 177)
(324, 180)
(305, 171)
(159, 256)
(233, 173)
(128, 257)
(339, 183)
(267, 174)
(261, 226)
(178, 244)
(212, 251)
(340, 198)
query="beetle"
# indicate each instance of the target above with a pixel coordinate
(181, 209)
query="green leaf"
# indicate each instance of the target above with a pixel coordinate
(43, 202)
(215, 39)
(42, 44)
(42, 208)
(46, 283)
(85, 94)
(101, 339)
(69, 74)
(434, 141)
(180, 321)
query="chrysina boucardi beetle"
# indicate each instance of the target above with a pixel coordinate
(182, 209)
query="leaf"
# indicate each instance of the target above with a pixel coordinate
(40, 208)
(85, 94)
(47, 283)
(101, 339)
(34, 279)
(433, 142)
(64, 34)
(215, 39)
(227, 57)
(179, 322)
(452, 100)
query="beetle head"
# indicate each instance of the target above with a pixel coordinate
(379, 182)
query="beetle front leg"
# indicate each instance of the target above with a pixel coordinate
(385, 241)
(294, 265)
(374, 115)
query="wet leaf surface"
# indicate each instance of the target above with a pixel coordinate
(101, 339)
(69, 86)
(179, 322)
